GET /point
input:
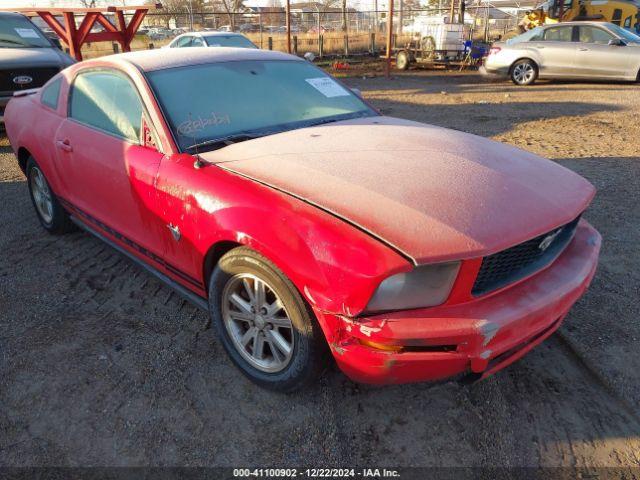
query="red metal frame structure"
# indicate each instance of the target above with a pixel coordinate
(77, 35)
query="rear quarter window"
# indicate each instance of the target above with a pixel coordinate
(51, 93)
(558, 34)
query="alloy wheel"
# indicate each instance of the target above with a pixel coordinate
(523, 73)
(258, 323)
(41, 195)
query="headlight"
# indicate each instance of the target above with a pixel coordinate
(424, 286)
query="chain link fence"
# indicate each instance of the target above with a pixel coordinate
(325, 33)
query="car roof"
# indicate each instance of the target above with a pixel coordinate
(217, 34)
(160, 59)
(11, 14)
(576, 23)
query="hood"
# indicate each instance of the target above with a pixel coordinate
(34, 57)
(430, 193)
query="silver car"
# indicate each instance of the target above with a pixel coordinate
(211, 39)
(572, 50)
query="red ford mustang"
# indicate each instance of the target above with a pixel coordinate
(268, 193)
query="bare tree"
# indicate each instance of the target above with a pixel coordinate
(173, 9)
(326, 6)
(272, 13)
(231, 8)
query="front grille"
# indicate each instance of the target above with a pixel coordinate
(39, 75)
(515, 263)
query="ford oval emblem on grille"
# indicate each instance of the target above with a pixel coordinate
(22, 80)
(548, 240)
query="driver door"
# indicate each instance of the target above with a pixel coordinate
(597, 59)
(109, 172)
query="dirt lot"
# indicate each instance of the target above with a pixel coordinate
(101, 365)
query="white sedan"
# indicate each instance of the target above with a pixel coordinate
(211, 39)
(572, 50)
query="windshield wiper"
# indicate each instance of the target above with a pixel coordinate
(339, 118)
(221, 142)
(13, 42)
(225, 141)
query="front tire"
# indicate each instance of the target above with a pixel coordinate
(524, 72)
(265, 326)
(51, 214)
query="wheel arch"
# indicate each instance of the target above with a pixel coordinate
(23, 156)
(213, 256)
(334, 267)
(534, 61)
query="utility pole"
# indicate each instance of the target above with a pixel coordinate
(375, 21)
(461, 9)
(288, 22)
(389, 35)
(452, 10)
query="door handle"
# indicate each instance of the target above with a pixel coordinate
(64, 145)
(583, 49)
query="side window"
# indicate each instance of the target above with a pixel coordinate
(536, 37)
(627, 22)
(51, 93)
(590, 34)
(558, 34)
(197, 42)
(107, 100)
(617, 16)
(183, 42)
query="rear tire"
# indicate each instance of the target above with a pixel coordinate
(403, 60)
(51, 214)
(524, 72)
(265, 326)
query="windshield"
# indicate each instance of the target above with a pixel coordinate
(229, 41)
(214, 101)
(624, 34)
(532, 35)
(18, 32)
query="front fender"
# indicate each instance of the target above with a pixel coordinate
(335, 266)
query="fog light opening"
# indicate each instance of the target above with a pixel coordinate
(380, 346)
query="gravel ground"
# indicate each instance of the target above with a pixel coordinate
(102, 365)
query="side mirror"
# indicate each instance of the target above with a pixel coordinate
(56, 42)
(357, 92)
(147, 136)
(617, 42)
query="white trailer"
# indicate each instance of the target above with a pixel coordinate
(433, 39)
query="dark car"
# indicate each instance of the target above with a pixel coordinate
(28, 58)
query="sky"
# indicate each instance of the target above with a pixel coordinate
(360, 4)
(77, 3)
(62, 3)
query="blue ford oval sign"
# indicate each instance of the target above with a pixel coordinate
(22, 80)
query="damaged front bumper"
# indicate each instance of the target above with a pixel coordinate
(478, 337)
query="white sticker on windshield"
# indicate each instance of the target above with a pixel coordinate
(27, 32)
(327, 87)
